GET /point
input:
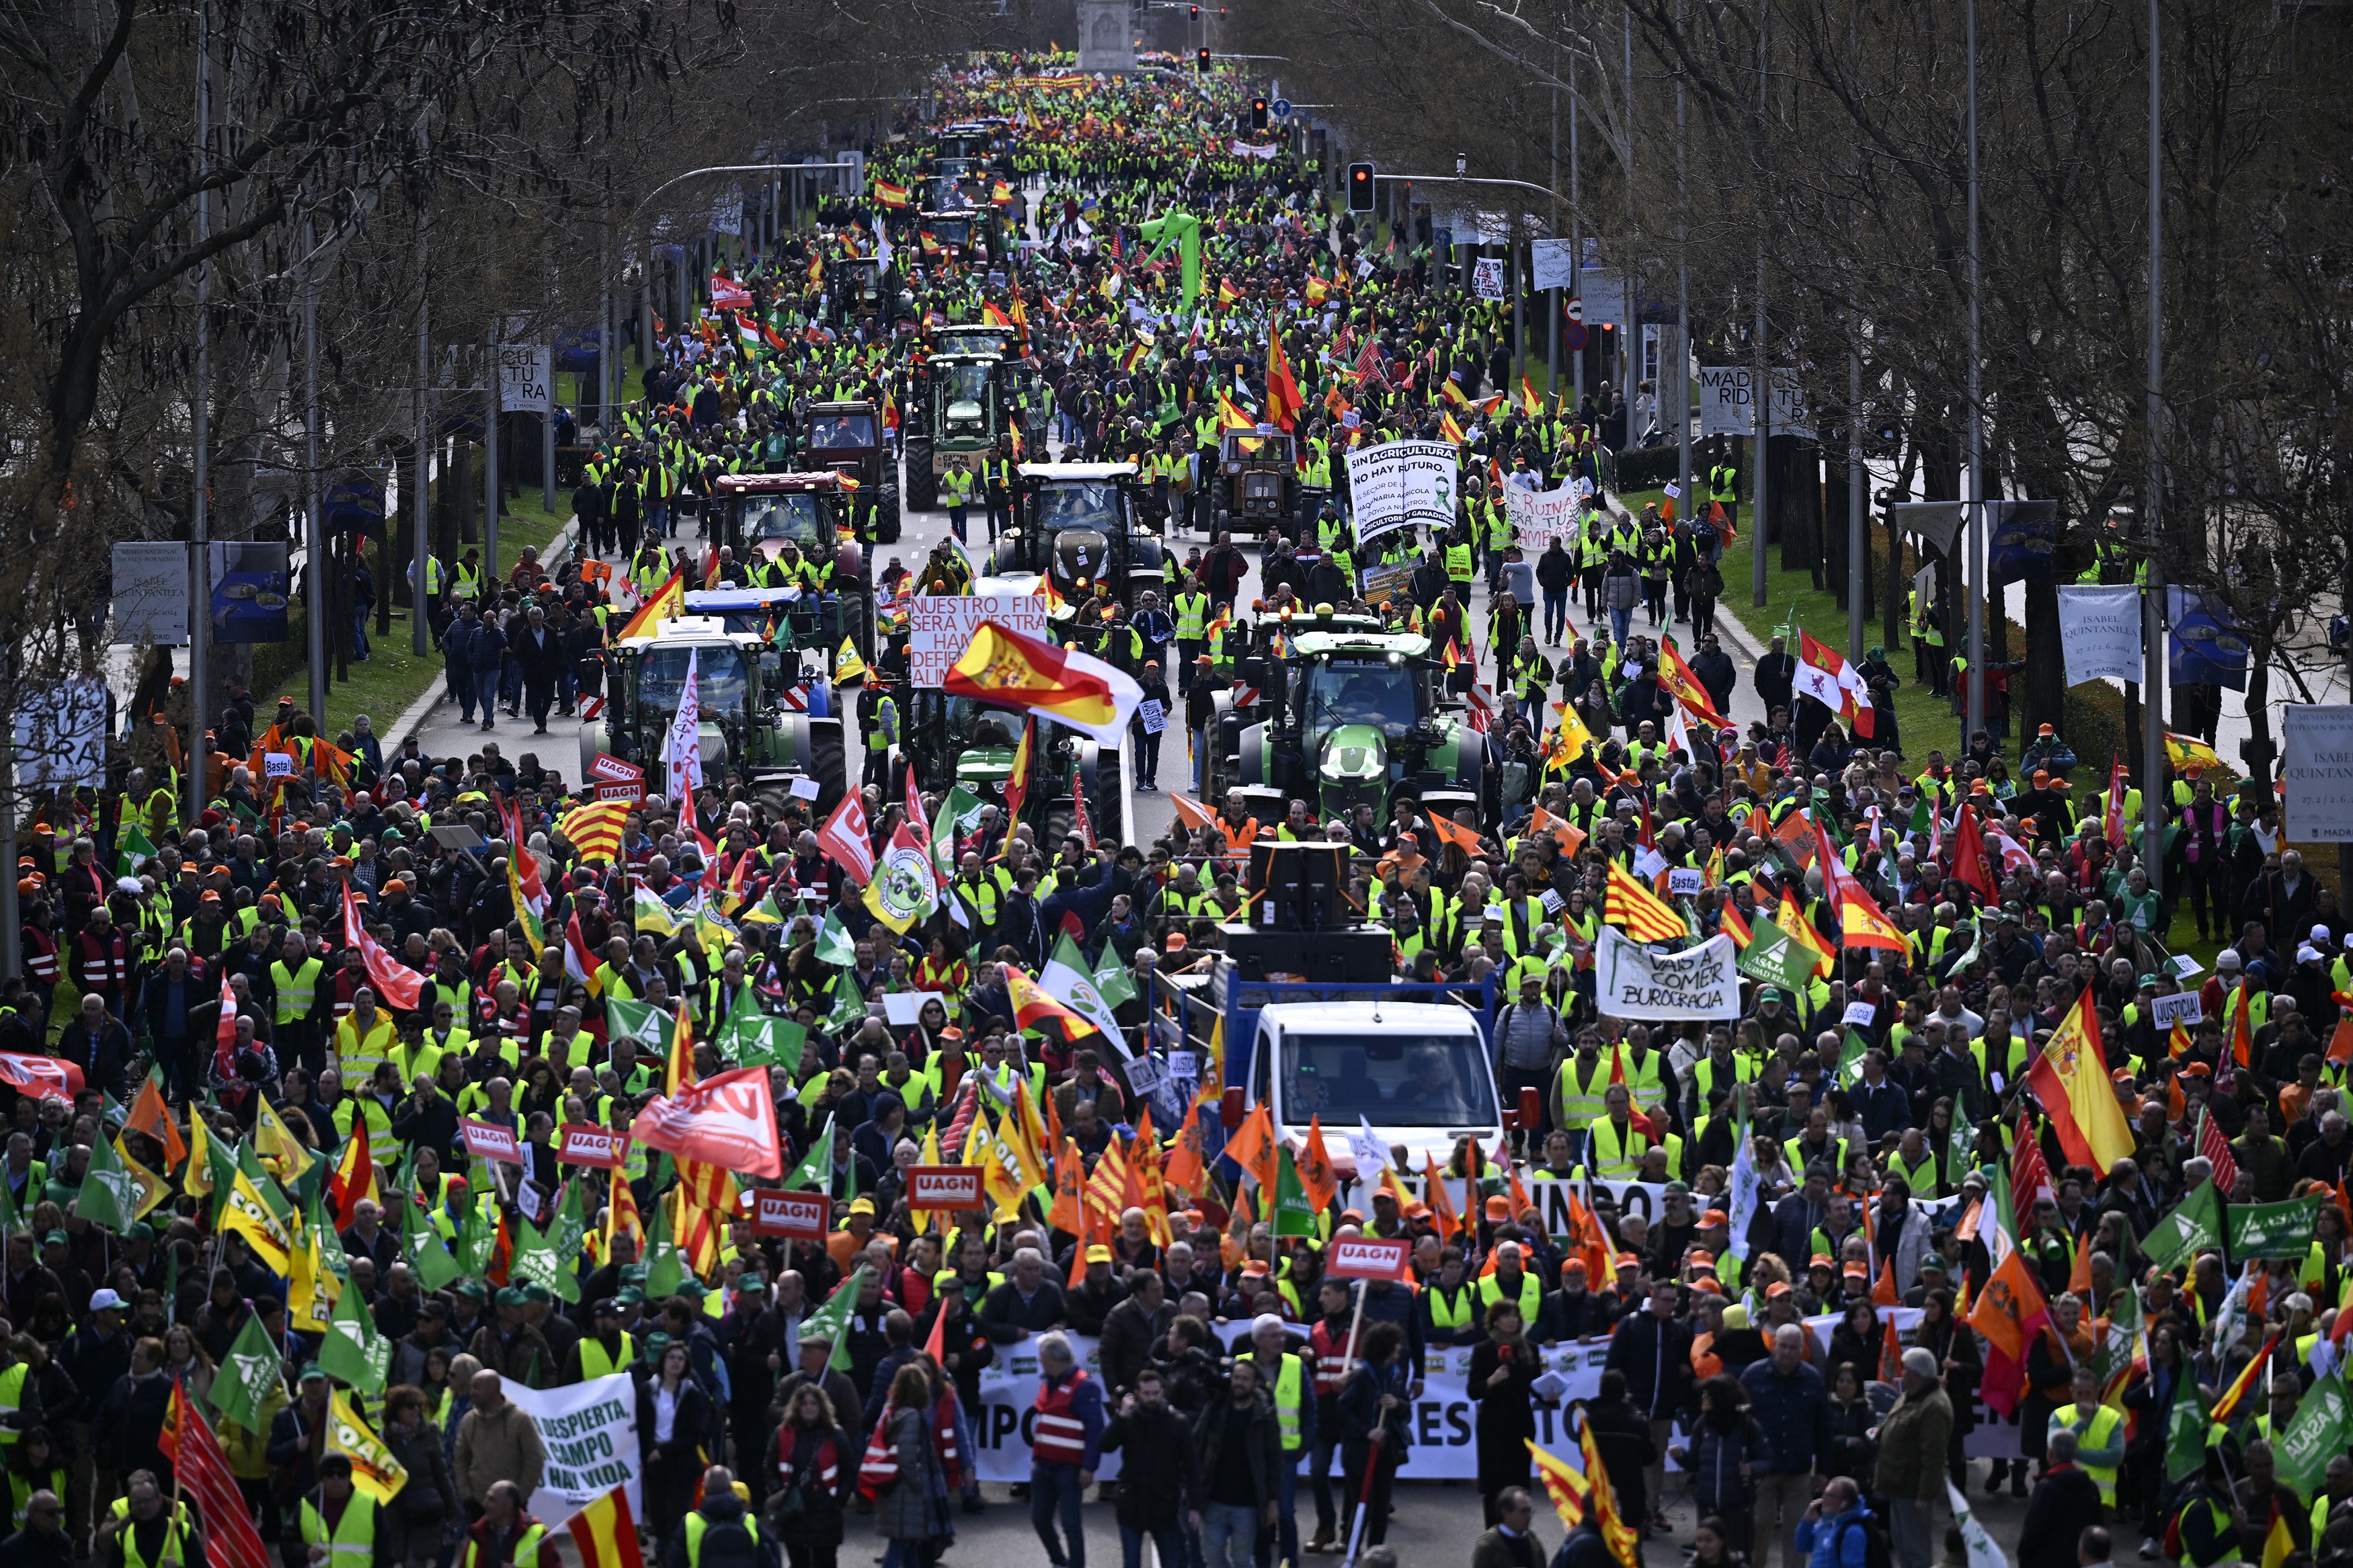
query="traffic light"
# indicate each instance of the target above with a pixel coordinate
(1360, 187)
(1193, 14)
(1257, 113)
(1201, 61)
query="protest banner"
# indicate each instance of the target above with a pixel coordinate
(1630, 981)
(1370, 1258)
(590, 1433)
(1397, 483)
(2273, 1230)
(2100, 632)
(488, 1141)
(803, 1216)
(1540, 517)
(940, 626)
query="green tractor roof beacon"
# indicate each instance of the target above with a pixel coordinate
(1355, 715)
(748, 725)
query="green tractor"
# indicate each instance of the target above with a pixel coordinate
(1081, 526)
(753, 710)
(958, 420)
(968, 742)
(1352, 714)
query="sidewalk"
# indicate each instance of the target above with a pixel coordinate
(414, 718)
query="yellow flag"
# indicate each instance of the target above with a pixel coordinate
(311, 1287)
(930, 1156)
(245, 1214)
(2279, 1542)
(196, 1178)
(273, 1139)
(847, 665)
(152, 1188)
(374, 1469)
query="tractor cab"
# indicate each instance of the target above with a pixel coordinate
(749, 722)
(860, 289)
(1079, 525)
(1258, 483)
(1354, 714)
(763, 513)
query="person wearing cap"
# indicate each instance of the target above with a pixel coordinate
(510, 1347)
(1914, 1443)
(339, 1523)
(147, 1529)
(96, 1353)
(605, 1349)
(1510, 1280)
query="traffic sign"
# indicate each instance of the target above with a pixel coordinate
(1283, 108)
(1575, 336)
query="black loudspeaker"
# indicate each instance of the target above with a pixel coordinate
(1297, 886)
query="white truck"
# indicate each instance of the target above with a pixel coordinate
(1418, 1072)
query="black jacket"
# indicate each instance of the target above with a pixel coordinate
(726, 1543)
(1258, 1437)
(1655, 1356)
(1158, 1443)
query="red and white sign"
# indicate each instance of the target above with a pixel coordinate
(949, 1188)
(1369, 1257)
(577, 1143)
(489, 1141)
(609, 769)
(44, 1077)
(803, 1216)
(631, 793)
(940, 626)
(726, 294)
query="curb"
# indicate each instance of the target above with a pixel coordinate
(1730, 630)
(413, 716)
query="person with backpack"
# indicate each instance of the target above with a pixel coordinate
(1839, 1531)
(1912, 1453)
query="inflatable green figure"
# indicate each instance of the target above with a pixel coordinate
(1183, 227)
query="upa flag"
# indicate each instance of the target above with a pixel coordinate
(1004, 666)
(2012, 1307)
(903, 890)
(2071, 1077)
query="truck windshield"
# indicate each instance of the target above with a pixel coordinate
(974, 726)
(841, 432)
(1358, 693)
(952, 230)
(797, 517)
(964, 389)
(1422, 1080)
(720, 680)
(1080, 504)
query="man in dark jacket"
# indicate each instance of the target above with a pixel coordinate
(1790, 1401)
(43, 1543)
(1238, 1452)
(1714, 670)
(1132, 1329)
(1157, 1442)
(1655, 1352)
(1777, 676)
(1025, 1303)
(2066, 1504)
(540, 649)
(716, 1534)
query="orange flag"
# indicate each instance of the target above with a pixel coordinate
(1891, 1356)
(2241, 1044)
(1454, 833)
(1316, 1168)
(2012, 1307)
(1068, 1213)
(1883, 1293)
(1252, 1146)
(2340, 1044)
(1564, 832)
(1449, 1223)
(2079, 1276)
(148, 1115)
(1183, 1171)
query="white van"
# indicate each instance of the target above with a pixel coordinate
(1418, 1073)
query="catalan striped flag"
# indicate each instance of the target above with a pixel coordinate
(603, 1528)
(595, 829)
(1641, 913)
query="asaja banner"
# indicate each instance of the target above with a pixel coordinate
(1401, 482)
(590, 1433)
(1632, 982)
(2273, 1230)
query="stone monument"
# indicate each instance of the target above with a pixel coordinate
(1106, 36)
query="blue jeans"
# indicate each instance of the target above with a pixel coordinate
(1556, 615)
(1228, 1536)
(486, 695)
(1621, 622)
(1170, 1543)
(359, 631)
(1055, 1492)
(955, 522)
(1284, 1540)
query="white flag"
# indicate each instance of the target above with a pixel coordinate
(1983, 1553)
(682, 749)
(1067, 979)
(1372, 1154)
(1744, 1185)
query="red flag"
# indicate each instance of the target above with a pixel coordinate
(354, 1177)
(2217, 1150)
(728, 1119)
(1969, 856)
(847, 839)
(2029, 1173)
(203, 1471)
(398, 985)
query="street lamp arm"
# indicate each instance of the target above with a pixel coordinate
(1467, 180)
(731, 169)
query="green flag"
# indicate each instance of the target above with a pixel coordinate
(131, 847)
(569, 1228)
(2257, 1230)
(536, 1259)
(642, 1022)
(242, 1391)
(831, 1322)
(351, 1350)
(221, 1165)
(1919, 823)
(2185, 1434)
(1111, 977)
(435, 1270)
(834, 943)
(665, 1270)
(849, 1006)
(110, 1199)
(478, 1235)
(816, 1170)
(1852, 1050)
(2317, 1432)
(957, 813)
(751, 1038)
(1293, 1214)
(273, 1196)
(1776, 957)
(2196, 1222)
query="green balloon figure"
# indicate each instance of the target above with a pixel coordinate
(1182, 227)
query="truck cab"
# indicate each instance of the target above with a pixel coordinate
(1418, 1072)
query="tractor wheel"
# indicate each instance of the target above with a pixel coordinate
(922, 489)
(825, 764)
(886, 518)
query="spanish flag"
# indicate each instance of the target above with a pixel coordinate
(1317, 289)
(1283, 401)
(1862, 923)
(668, 602)
(2256, 1375)
(1645, 916)
(1000, 194)
(991, 316)
(1451, 390)
(1226, 293)
(1231, 417)
(816, 272)
(1083, 693)
(888, 196)
(1530, 403)
(604, 1529)
(2070, 1076)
